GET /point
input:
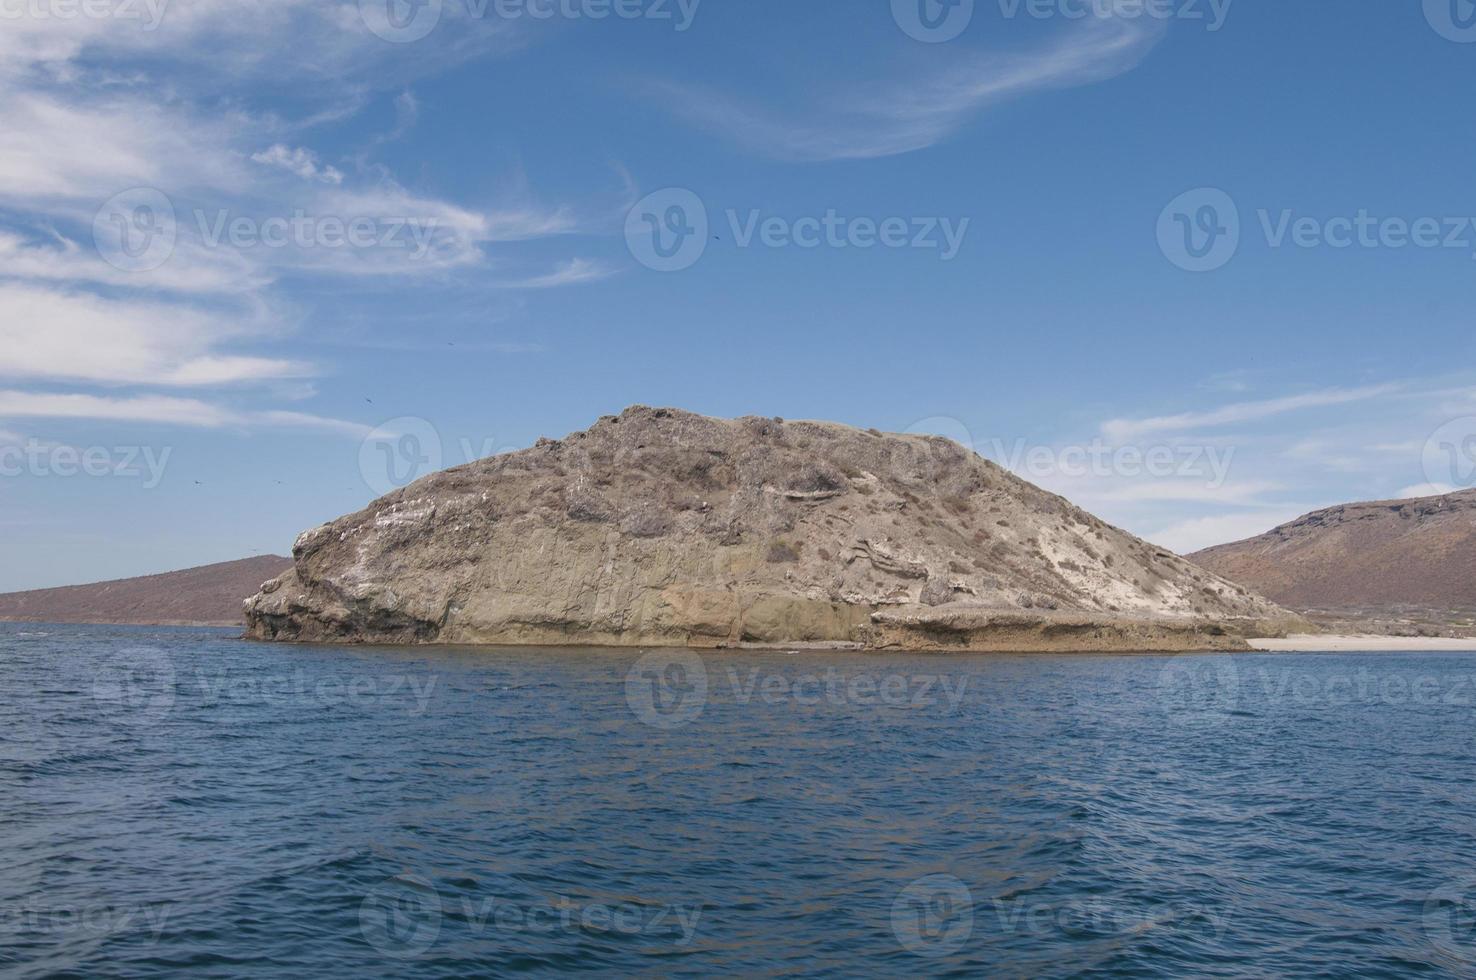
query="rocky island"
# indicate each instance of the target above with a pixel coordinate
(663, 527)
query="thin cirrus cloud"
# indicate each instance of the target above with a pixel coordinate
(570, 273)
(161, 409)
(51, 257)
(1250, 411)
(52, 334)
(61, 150)
(1244, 493)
(91, 107)
(1188, 536)
(1374, 444)
(300, 161)
(909, 113)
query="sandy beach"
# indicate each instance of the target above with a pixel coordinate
(1319, 643)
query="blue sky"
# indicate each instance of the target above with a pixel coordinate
(1201, 272)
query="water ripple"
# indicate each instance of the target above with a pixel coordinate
(176, 800)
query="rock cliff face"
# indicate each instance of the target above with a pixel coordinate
(661, 527)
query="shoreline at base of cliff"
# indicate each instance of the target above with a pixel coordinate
(1335, 643)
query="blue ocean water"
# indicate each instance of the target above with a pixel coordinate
(177, 800)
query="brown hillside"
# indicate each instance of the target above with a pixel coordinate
(209, 595)
(1382, 555)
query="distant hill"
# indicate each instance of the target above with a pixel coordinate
(210, 595)
(1390, 559)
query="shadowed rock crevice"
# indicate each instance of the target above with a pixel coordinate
(659, 526)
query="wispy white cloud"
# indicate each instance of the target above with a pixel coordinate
(1243, 411)
(918, 109)
(1242, 493)
(407, 114)
(193, 268)
(1292, 454)
(93, 106)
(46, 333)
(570, 273)
(58, 150)
(1425, 490)
(164, 410)
(1185, 537)
(300, 161)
